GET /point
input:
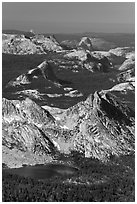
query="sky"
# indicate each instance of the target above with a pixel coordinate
(69, 17)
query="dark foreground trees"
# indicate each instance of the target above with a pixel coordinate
(95, 182)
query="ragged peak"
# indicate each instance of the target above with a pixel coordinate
(86, 44)
(26, 110)
(45, 70)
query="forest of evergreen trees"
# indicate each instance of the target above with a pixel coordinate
(119, 185)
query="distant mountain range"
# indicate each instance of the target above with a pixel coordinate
(88, 75)
(119, 39)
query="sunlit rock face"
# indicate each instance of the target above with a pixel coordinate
(122, 56)
(113, 59)
(44, 70)
(127, 75)
(96, 62)
(69, 44)
(128, 64)
(79, 54)
(126, 78)
(98, 127)
(42, 85)
(26, 110)
(92, 61)
(47, 43)
(123, 88)
(122, 51)
(23, 123)
(19, 45)
(86, 44)
(103, 127)
(23, 45)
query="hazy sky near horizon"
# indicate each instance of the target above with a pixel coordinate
(69, 17)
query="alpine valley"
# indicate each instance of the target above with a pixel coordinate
(68, 117)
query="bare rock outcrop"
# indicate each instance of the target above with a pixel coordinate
(23, 45)
(92, 61)
(44, 70)
(103, 126)
(128, 75)
(23, 126)
(122, 51)
(86, 44)
(20, 45)
(128, 64)
(98, 127)
(47, 43)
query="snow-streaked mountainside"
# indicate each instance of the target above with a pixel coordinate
(75, 97)
(98, 127)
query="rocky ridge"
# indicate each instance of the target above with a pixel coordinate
(37, 83)
(92, 61)
(122, 51)
(86, 44)
(89, 42)
(127, 76)
(39, 44)
(128, 63)
(98, 127)
(44, 70)
(22, 45)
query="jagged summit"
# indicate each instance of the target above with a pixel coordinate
(29, 44)
(98, 127)
(44, 70)
(23, 123)
(42, 85)
(86, 44)
(92, 61)
(25, 110)
(104, 126)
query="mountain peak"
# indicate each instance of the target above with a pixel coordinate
(86, 44)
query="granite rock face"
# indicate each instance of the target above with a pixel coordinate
(127, 74)
(86, 44)
(122, 51)
(47, 43)
(20, 45)
(125, 77)
(23, 45)
(123, 87)
(23, 132)
(69, 44)
(23, 140)
(26, 110)
(41, 84)
(44, 70)
(97, 63)
(92, 61)
(104, 127)
(98, 127)
(128, 64)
